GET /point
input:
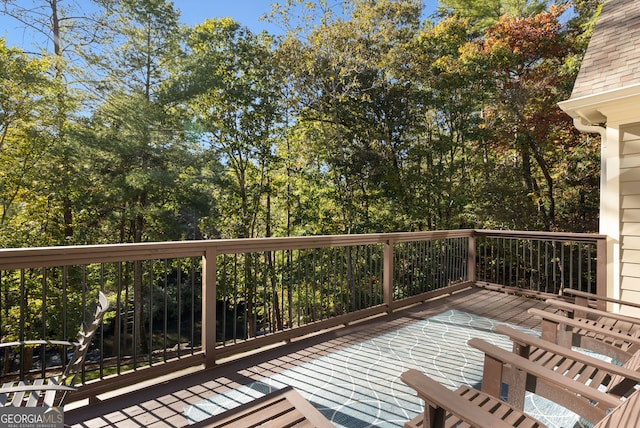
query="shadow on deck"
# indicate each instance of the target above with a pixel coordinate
(349, 391)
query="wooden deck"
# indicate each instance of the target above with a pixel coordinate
(162, 404)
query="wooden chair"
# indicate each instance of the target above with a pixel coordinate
(52, 391)
(469, 407)
(282, 408)
(613, 335)
(444, 408)
(604, 332)
(594, 372)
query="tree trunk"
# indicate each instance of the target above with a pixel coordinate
(549, 180)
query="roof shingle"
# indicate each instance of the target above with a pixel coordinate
(612, 60)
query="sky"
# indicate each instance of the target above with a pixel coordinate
(245, 12)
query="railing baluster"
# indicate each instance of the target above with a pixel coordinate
(179, 264)
(150, 312)
(22, 322)
(561, 263)
(579, 266)
(117, 339)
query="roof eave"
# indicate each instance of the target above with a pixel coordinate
(617, 105)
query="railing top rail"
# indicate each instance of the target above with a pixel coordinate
(541, 235)
(16, 258)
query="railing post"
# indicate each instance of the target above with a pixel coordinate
(471, 261)
(209, 306)
(601, 270)
(387, 280)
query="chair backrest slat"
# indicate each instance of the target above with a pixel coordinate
(623, 416)
(85, 335)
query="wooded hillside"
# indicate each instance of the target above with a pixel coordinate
(129, 127)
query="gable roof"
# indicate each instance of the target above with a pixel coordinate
(612, 59)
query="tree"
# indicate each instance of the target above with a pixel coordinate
(524, 59)
(137, 144)
(452, 93)
(485, 13)
(360, 118)
(137, 134)
(27, 96)
(232, 91)
(63, 31)
(353, 95)
(230, 88)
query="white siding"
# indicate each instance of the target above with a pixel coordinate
(629, 187)
(630, 284)
(630, 215)
(631, 229)
(630, 255)
(628, 175)
(630, 212)
(631, 296)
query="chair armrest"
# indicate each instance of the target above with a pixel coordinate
(591, 296)
(543, 374)
(38, 342)
(570, 307)
(561, 319)
(27, 388)
(437, 395)
(529, 340)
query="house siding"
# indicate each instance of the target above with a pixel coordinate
(606, 99)
(630, 212)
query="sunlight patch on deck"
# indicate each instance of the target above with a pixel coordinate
(360, 386)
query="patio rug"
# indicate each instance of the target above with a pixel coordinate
(360, 386)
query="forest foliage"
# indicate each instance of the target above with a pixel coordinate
(123, 125)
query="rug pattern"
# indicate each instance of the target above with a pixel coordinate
(360, 386)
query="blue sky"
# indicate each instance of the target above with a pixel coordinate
(246, 12)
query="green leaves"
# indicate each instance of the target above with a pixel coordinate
(26, 125)
(485, 13)
(359, 118)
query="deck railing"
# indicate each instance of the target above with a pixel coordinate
(541, 262)
(180, 304)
